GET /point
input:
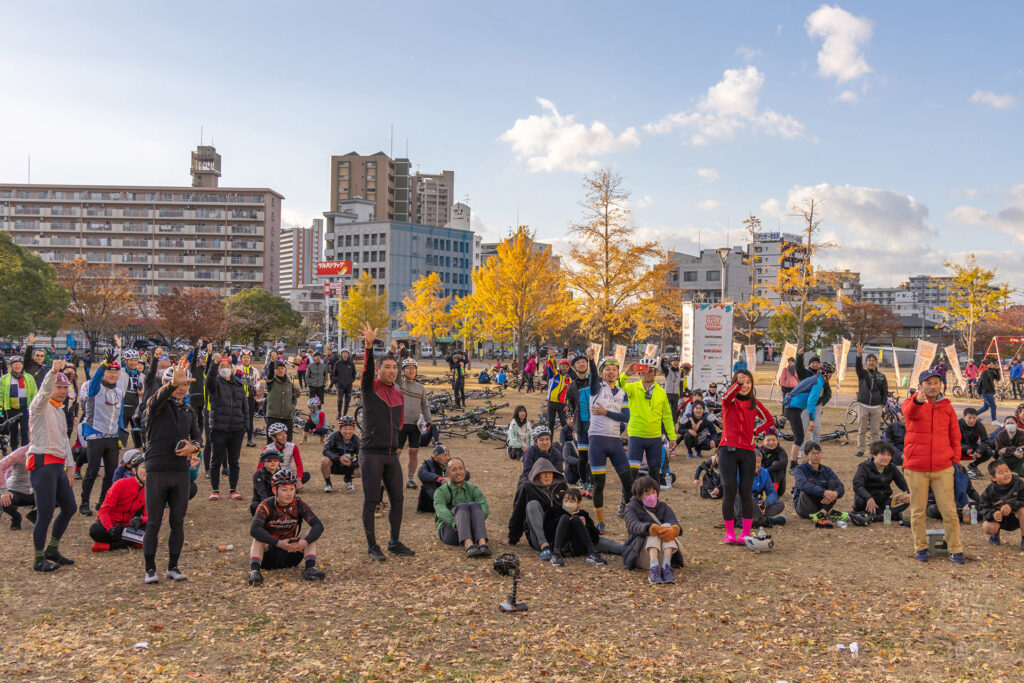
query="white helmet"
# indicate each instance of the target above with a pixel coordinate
(758, 544)
(651, 363)
(168, 375)
(130, 354)
(409, 362)
(276, 428)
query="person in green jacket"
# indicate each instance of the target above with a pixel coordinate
(649, 416)
(281, 398)
(460, 510)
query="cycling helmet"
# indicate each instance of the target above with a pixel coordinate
(1020, 407)
(62, 380)
(651, 363)
(827, 368)
(130, 354)
(608, 360)
(270, 453)
(541, 430)
(674, 359)
(16, 359)
(283, 478)
(168, 375)
(757, 544)
(313, 402)
(687, 366)
(563, 361)
(276, 428)
(409, 362)
(113, 365)
(347, 420)
(440, 448)
(135, 459)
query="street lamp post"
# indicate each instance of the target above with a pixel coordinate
(723, 255)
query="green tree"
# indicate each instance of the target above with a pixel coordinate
(362, 304)
(426, 311)
(255, 314)
(974, 297)
(31, 298)
(818, 331)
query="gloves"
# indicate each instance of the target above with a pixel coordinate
(136, 523)
(669, 534)
(656, 530)
(115, 531)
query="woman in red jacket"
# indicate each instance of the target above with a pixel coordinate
(740, 412)
(124, 506)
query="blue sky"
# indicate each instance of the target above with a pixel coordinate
(902, 118)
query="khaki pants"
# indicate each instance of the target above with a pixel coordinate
(941, 484)
(870, 421)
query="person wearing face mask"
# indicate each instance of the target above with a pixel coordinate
(249, 377)
(653, 534)
(132, 394)
(1009, 445)
(104, 417)
(229, 414)
(573, 531)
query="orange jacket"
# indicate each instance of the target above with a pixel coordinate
(933, 435)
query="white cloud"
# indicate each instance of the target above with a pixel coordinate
(869, 214)
(1008, 220)
(848, 96)
(840, 56)
(770, 208)
(728, 107)
(993, 100)
(643, 202)
(708, 174)
(291, 218)
(552, 142)
(747, 53)
(708, 205)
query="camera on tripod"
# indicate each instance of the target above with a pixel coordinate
(507, 564)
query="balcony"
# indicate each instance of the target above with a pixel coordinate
(26, 210)
(26, 225)
(171, 213)
(134, 258)
(99, 212)
(135, 242)
(248, 244)
(26, 240)
(135, 213)
(63, 211)
(98, 258)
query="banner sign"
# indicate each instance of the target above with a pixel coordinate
(844, 356)
(954, 364)
(707, 342)
(923, 360)
(619, 352)
(896, 367)
(750, 350)
(334, 288)
(651, 351)
(333, 267)
(788, 351)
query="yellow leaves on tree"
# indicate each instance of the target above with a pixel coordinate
(520, 292)
(620, 282)
(362, 304)
(425, 311)
(974, 297)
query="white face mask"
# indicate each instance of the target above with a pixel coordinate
(570, 507)
(1011, 429)
(225, 373)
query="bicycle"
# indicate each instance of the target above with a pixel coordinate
(971, 391)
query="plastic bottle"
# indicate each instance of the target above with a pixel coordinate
(887, 516)
(967, 514)
(760, 533)
(225, 548)
(974, 515)
(841, 524)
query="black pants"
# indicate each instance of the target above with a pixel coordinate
(100, 534)
(981, 454)
(302, 378)
(132, 424)
(19, 500)
(51, 488)
(252, 414)
(99, 451)
(805, 505)
(344, 395)
(673, 403)
(317, 392)
(730, 462)
(571, 537)
(227, 447)
(165, 489)
(529, 382)
(279, 421)
(459, 390)
(379, 469)
(555, 408)
(693, 444)
(19, 428)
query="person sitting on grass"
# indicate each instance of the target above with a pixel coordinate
(1009, 445)
(277, 541)
(520, 434)
(460, 511)
(543, 490)
(290, 458)
(572, 530)
(270, 463)
(16, 487)
(124, 506)
(974, 443)
(698, 431)
(540, 450)
(817, 489)
(432, 474)
(774, 459)
(653, 531)
(710, 486)
(768, 506)
(872, 486)
(896, 434)
(316, 423)
(341, 454)
(1002, 503)
(501, 379)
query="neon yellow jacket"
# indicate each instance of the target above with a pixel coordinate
(647, 416)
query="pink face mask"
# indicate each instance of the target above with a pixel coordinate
(650, 500)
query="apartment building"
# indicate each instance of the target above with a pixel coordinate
(372, 178)
(301, 248)
(435, 194)
(163, 237)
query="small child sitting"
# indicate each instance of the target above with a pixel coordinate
(573, 531)
(653, 531)
(1002, 503)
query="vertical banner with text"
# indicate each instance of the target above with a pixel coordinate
(954, 365)
(707, 342)
(750, 350)
(923, 360)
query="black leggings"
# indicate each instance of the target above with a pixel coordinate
(51, 487)
(555, 408)
(625, 478)
(19, 428)
(252, 413)
(459, 390)
(344, 398)
(379, 469)
(226, 446)
(571, 531)
(19, 499)
(730, 461)
(165, 489)
(99, 451)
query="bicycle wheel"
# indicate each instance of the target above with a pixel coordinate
(958, 392)
(852, 414)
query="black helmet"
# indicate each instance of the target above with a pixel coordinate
(136, 459)
(283, 478)
(270, 452)
(827, 368)
(347, 420)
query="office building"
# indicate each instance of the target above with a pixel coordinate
(225, 238)
(700, 277)
(435, 194)
(365, 177)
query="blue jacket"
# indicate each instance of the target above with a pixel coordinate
(1017, 371)
(806, 395)
(814, 483)
(763, 486)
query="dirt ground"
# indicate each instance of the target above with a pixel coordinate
(732, 614)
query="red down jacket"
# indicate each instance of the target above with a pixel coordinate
(933, 435)
(125, 499)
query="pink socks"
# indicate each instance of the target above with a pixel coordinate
(747, 523)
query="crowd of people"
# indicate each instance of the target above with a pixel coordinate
(150, 421)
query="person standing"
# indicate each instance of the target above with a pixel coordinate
(649, 416)
(932, 451)
(36, 360)
(316, 377)
(343, 375)
(987, 386)
(249, 377)
(416, 406)
(132, 395)
(229, 414)
(17, 389)
(674, 382)
(103, 418)
(301, 368)
(87, 364)
(872, 392)
(457, 363)
(49, 464)
(529, 370)
(1017, 378)
(788, 378)
(173, 442)
(803, 372)
(281, 398)
(383, 404)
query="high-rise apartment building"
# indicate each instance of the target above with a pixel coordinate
(435, 194)
(301, 248)
(371, 178)
(164, 237)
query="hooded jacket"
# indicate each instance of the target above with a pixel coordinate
(932, 443)
(534, 454)
(547, 496)
(344, 371)
(868, 482)
(316, 374)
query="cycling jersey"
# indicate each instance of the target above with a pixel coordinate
(558, 384)
(611, 398)
(273, 522)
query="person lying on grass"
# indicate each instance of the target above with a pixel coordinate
(572, 530)
(460, 509)
(872, 486)
(277, 541)
(1002, 503)
(653, 530)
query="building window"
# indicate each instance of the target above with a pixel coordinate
(690, 276)
(713, 276)
(380, 273)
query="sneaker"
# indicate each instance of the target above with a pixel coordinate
(778, 520)
(666, 486)
(994, 539)
(250, 444)
(622, 509)
(46, 566)
(600, 528)
(235, 495)
(860, 454)
(904, 523)
(485, 550)
(545, 555)
(858, 519)
(972, 473)
(821, 521)
(837, 516)
(690, 455)
(922, 556)
(78, 475)
(150, 577)
(55, 556)
(557, 560)
(411, 484)
(349, 486)
(957, 558)
(654, 575)
(84, 510)
(255, 577)
(667, 575)
(399, 548)
(16, 523)
(328, 488)
(595, 558)
(375, 553)
(313, 574)
(472, 551)
(175, 574)
(214, 496)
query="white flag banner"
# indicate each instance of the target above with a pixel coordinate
(837, 350)
(954, 364)
(651, 351)
(896, 367)
(597, 351)
(620, 355)
(844, 355)
(751, 352)
(789, 351)
(923, 360)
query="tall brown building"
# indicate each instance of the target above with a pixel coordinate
(372, 178)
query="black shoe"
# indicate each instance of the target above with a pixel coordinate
(557, 560)
(84, 510)
(78, 475)
(622, 509)
(46, 566)
(31, 516)
(778, 520)
(485, 550)
(250, 444)
(793, 464)
(313, 574)
(860, 454)
(255, 577)
(16, 522)
(399, 548)
(473, 551)
(375, 554)
(55, 556)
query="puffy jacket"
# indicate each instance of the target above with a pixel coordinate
(995, 496)
(383, 411)
(125, 499)
(316, 374)
(803, 372)
(933, 435)
(872, 386)
(344, 371)
(814, 483)
(281, 397)
(648, 416)
(638, 526)
(807, 395)
(764, 488)
(229, 408)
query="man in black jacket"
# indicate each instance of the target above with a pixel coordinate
(872, 485)
(172, 437)
(974, 443)
(229, 414)
(987, 386)
(343, 375)
(872, 392)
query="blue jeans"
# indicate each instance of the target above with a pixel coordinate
(989, 404)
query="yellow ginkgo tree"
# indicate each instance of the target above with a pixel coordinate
(363, 303)
(425, 312)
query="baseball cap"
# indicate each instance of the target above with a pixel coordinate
(928, 374)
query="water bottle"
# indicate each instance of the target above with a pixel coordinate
(760, 533)
(841, 524)
(225, 548)
(887, 516)
(974, 515)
